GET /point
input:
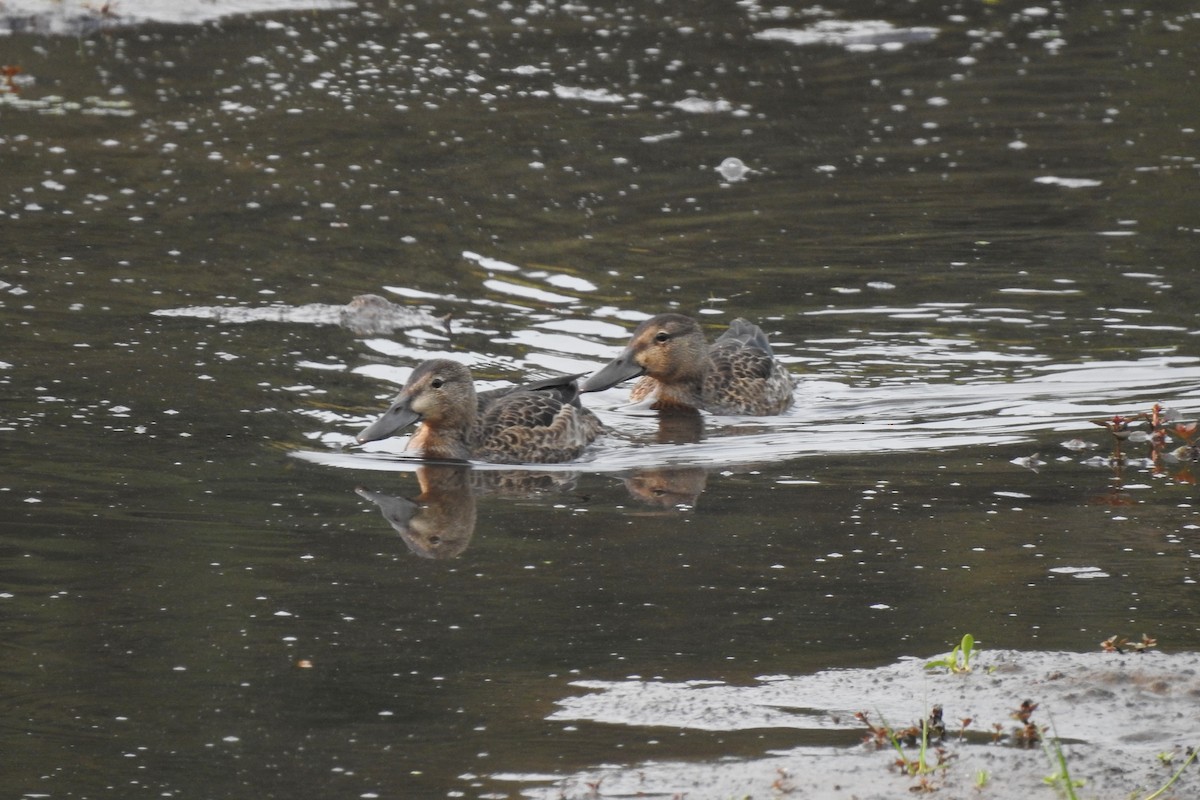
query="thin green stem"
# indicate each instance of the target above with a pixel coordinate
(1175, 777)
(1055, 752)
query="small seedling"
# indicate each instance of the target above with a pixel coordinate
(1119, 644)
(1192, 751)
(878, 734)
(1170, 439)
(1029, 733)
(922, 766)
(930, 759)
(784, 783)
(1061, 778)
(1146, 643)
(959, 659)
(883, 735)
(962, 730)
(1114, 644)
(1026, 710)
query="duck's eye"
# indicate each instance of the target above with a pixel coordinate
(436, 383)
(661, 337)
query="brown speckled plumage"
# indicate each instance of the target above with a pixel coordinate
(738, 374)
(538, 423)
(439, 522)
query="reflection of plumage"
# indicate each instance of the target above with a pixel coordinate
(522, 482)
(667, 487)
(738, 374)
(537, 423)
(440, 522)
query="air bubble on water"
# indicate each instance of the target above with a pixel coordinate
(733, 169)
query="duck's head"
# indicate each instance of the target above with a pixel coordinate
(439, 393)
(669, 348)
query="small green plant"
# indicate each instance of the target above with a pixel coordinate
(981, 778)
(917, 766)
(959, 659)
(1061, 778)
(1166, 758)
(920, 736)
(922, 765)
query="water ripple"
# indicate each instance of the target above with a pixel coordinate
(832, 417)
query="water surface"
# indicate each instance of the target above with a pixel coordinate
(969, 230)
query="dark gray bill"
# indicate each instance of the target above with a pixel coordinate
(621, 368)
(398, 417)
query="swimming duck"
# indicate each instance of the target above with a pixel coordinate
(738, 374)
(538, 423)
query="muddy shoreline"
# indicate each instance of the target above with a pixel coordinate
(1124, 722)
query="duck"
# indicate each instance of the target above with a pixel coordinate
(535, 423)
(737, 375)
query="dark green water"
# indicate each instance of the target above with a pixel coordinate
(970, 240)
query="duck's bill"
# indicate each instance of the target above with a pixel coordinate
(621, 368)
(398, 417)
(398, 511)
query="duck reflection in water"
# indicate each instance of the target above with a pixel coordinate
(679, 426)
(440, 521)
(671, 487)
(668, 487)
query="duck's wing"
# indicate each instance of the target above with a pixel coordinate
(744, 377)
(564, 387)
(539, 423)
(745, 333)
